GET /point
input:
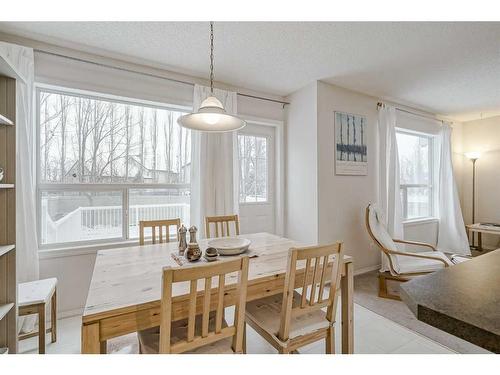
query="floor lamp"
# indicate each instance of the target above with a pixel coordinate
(473, 156)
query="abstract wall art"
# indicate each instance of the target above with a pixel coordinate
(350, 144)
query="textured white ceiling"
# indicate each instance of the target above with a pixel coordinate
(448, 68)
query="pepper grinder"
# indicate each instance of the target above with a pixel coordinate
(192, 234)
(182, 239)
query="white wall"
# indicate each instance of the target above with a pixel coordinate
(343, 199)
(483, 136)
(301, 207)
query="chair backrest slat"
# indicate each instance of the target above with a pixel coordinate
(222, 222)
(305, 284)
(206, 333)
(326, 264)
(324, 275)
(160, 224)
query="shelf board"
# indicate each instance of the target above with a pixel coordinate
(7, 186)
(4, 309)
(4, 249)
(5, 121)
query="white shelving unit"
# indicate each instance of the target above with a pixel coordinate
(8, 286)
(4, 309)
(4, 249)
(5, 121)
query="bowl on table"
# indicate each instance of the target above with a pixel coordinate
(211, 254)
(230, 245)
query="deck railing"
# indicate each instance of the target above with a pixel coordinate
(98, 222)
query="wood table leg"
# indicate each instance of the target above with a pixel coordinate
(41, 328)
(347, 295)
(53, 316)
(90, 339)
(479, 241)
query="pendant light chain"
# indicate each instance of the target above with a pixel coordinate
(212, 57)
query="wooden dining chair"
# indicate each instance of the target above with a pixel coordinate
(205, 330)
(292, 320)
(160, 224)
(222, 222)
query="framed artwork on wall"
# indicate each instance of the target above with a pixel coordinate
(350, 144)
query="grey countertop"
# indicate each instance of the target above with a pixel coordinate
(463, 300)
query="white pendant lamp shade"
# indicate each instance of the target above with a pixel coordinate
(211, 117)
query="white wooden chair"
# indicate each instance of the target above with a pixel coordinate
(207, 332)
(33, 298)
(291, 320)
(160, 224)
(224, 223)
(403, 265)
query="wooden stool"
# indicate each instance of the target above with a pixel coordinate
(33, 299)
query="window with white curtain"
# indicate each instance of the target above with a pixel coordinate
(105, 163)
(417, 165)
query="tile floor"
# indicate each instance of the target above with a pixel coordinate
(373, 334)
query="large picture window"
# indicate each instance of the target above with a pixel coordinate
(416, 163)
(104, 164)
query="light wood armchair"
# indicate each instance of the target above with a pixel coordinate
(292, 320)
(222, 222)
(207, 332)
(160, 224)
(403, 265)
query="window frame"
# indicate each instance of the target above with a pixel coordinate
(124, 188)
(432, 153)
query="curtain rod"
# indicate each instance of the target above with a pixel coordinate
(150, 74)
(380, 104)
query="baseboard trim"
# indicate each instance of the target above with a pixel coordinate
(69, 313)
(363, 270)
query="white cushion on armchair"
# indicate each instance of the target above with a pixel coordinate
(407, 264)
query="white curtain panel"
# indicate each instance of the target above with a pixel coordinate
(21, 59)
(389, 192)
(214, 171)
(452, 237)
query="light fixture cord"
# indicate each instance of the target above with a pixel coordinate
(212, 57)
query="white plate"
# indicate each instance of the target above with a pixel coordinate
(230, 245)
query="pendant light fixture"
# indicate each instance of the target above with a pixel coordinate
(211, 116)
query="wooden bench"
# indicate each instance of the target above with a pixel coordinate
(33, 299)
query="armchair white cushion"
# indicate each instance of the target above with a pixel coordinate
(408, 264)
(402, 264)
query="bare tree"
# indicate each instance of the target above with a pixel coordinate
(128, 137)
(84, 129)
(49, 132)
(64, 102)
(100, 132)
(141, 143)
(154, 141)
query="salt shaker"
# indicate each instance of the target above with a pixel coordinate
(182, 239)
(192, 234)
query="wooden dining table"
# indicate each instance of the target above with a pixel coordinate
(125, 290)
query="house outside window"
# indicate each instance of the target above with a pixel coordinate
(106, 163)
